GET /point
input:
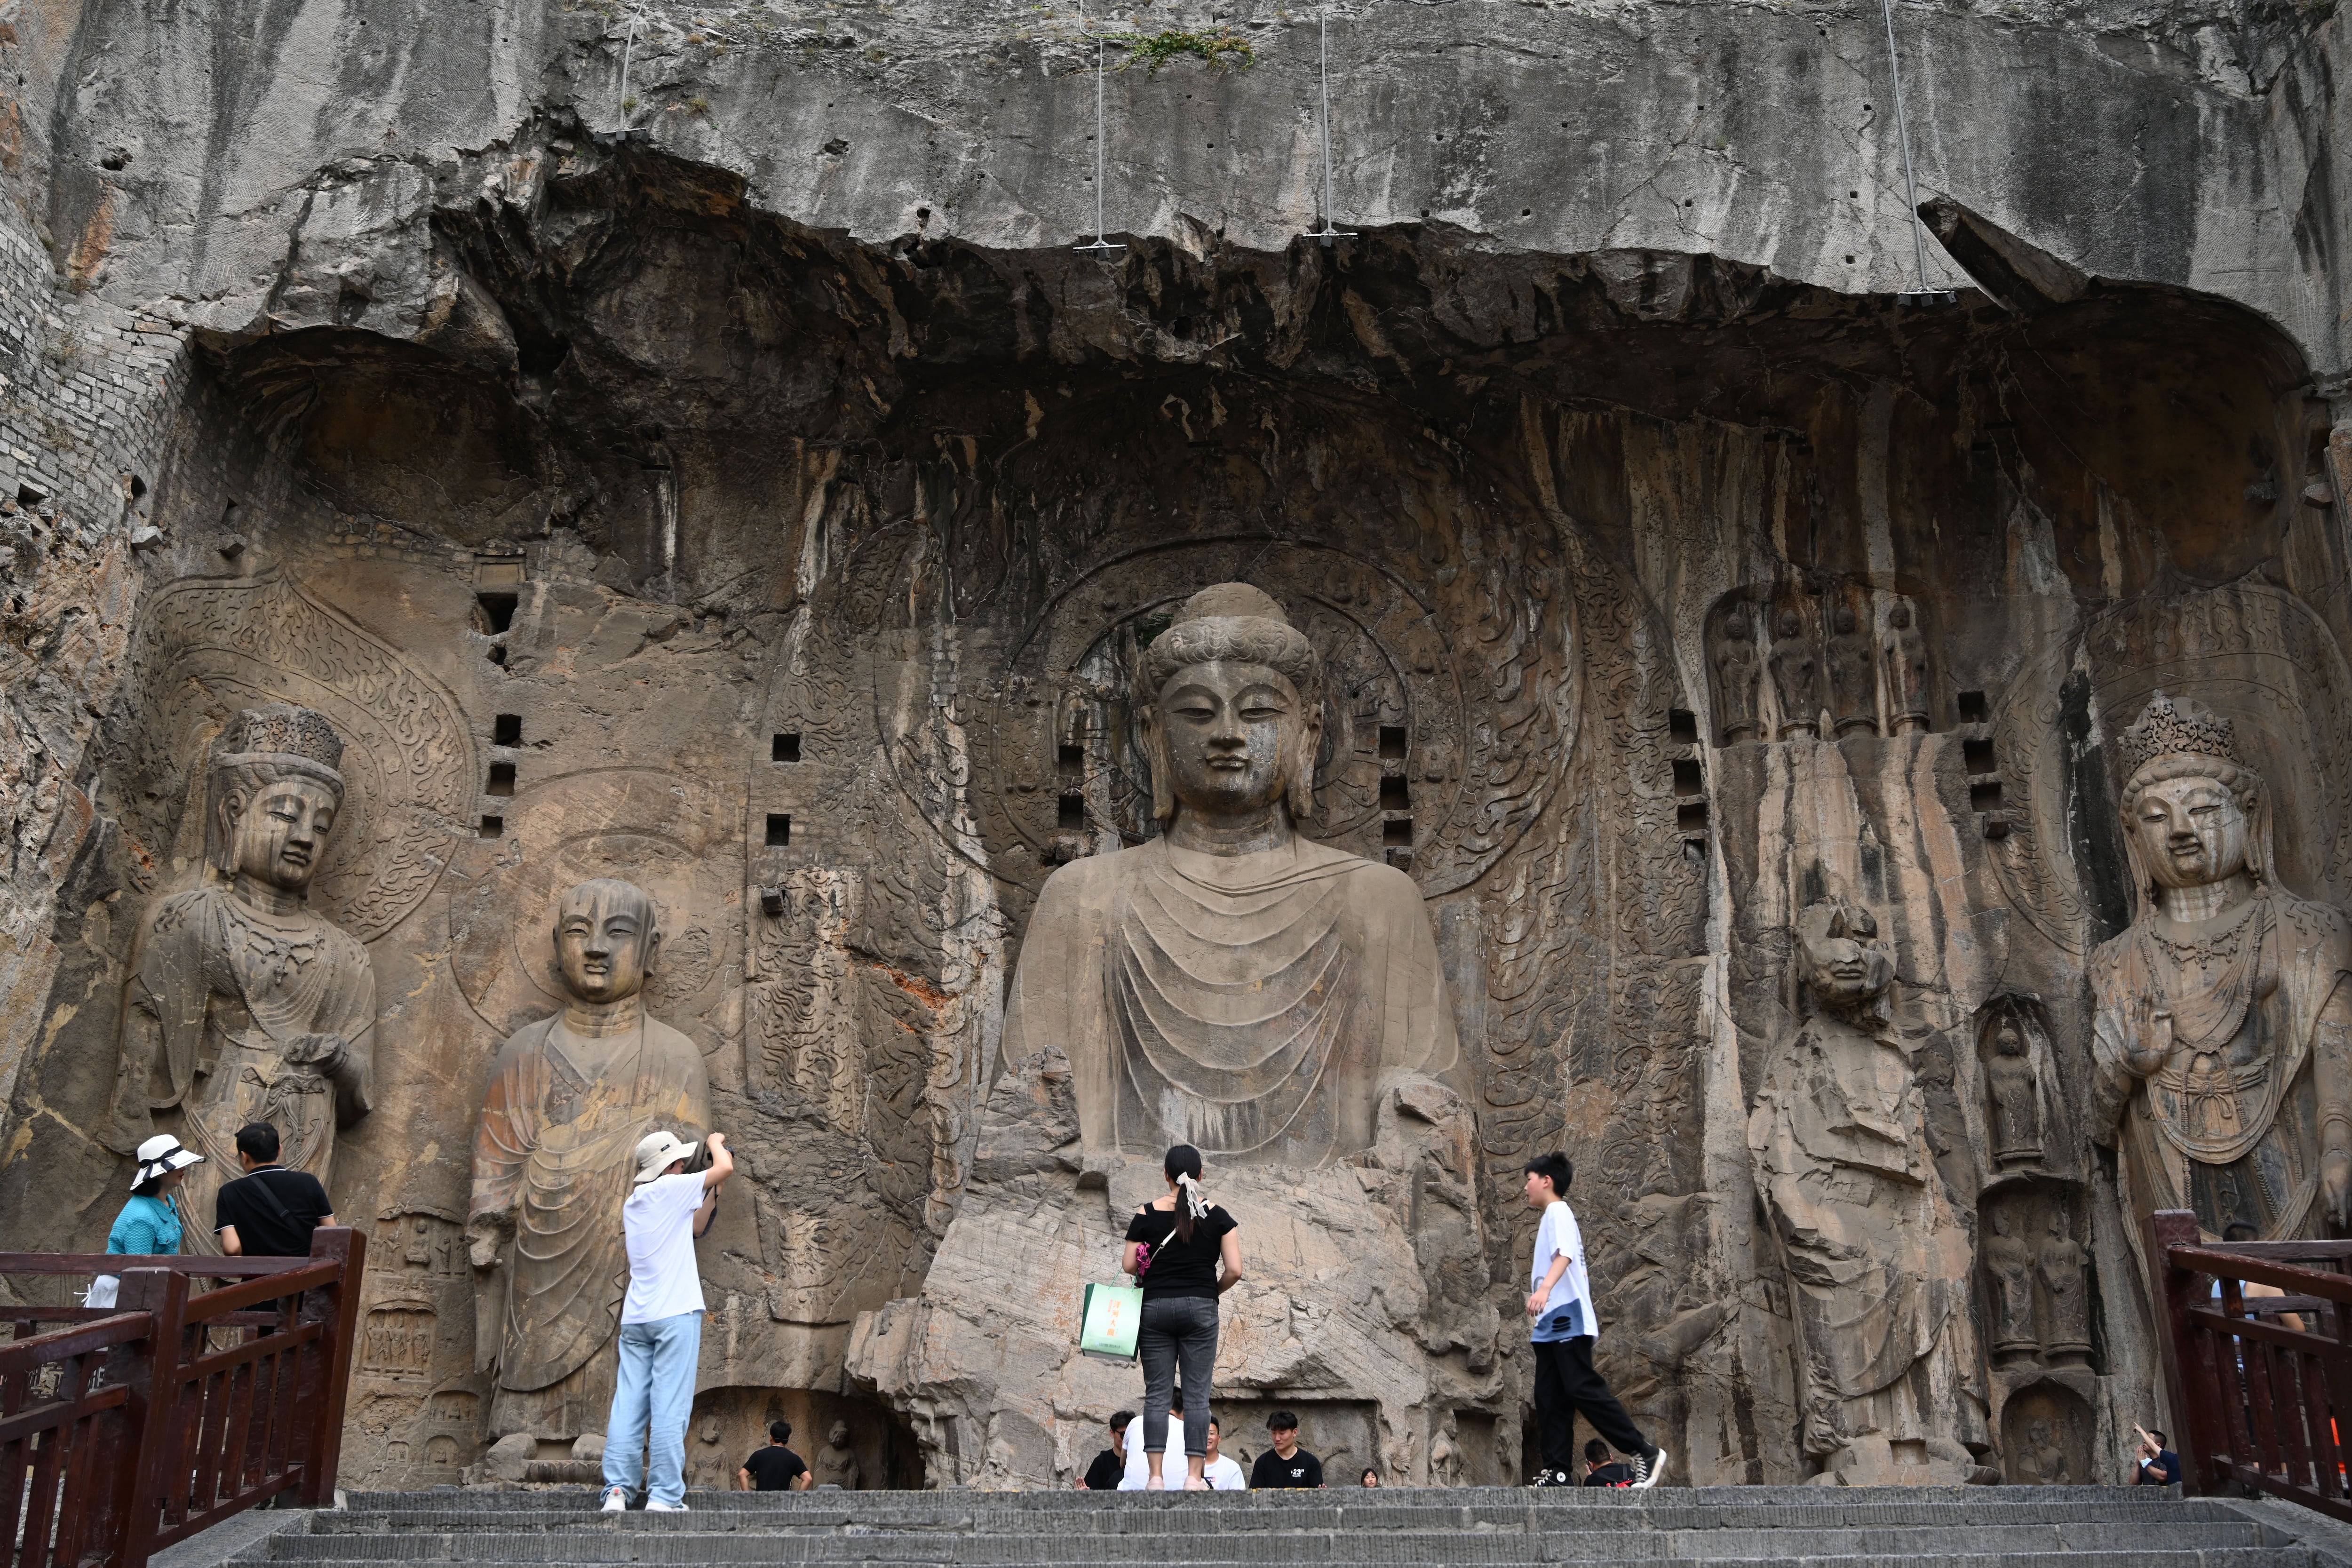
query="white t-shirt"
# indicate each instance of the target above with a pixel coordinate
(1225, 1475)
(1173, 1469)
(1556, 1235)
(659, 1221)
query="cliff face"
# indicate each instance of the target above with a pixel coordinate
(745, 462)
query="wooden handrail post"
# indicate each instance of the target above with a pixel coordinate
(337, 1309)
(163, 1294)
(2172, 1291)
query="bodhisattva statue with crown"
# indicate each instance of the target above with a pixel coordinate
(1229, 984)
(244, 1005)
(553, 1154)
(2223, 1018)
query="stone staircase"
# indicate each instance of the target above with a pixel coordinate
(1978, 1527)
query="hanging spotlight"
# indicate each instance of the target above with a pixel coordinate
(1922, 297)
(1326, 234)
(1101, 247)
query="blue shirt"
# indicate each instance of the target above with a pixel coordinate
(146, 1226)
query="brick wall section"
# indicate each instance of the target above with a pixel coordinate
(91, 398)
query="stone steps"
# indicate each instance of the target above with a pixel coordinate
(1994, 1527)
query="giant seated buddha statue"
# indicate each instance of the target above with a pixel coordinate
(1230, 984)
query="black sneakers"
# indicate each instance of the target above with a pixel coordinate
(1648, 1466)
(1552, 1479)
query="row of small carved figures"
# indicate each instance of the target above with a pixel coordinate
(1859, 665)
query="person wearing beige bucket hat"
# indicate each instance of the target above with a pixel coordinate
(151, 1223)
(661, 1321)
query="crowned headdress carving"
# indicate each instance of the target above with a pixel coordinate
(283, 729)
(2167, 729)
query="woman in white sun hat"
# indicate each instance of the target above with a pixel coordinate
(151, 1223)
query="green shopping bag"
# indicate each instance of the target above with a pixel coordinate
(1108, 1321)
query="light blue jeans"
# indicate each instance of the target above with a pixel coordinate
(652, 1399)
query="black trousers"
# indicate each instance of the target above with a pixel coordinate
(1565, 1384)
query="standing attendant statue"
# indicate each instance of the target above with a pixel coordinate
(1853, 676)
(2066, 1306)
(244, 1005)
(1736, 673)
(1796, 678)
(2010, 1263)
(2222, 1028)
(1905, 652)
(2016, 1094)
(569, 1097)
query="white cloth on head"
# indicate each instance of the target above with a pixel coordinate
(1192, 1198)
(1173, 1470)
(658, 1223)
(1225, 1475)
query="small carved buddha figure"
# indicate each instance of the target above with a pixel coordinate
(835, 1464)
(2222, 1023)
(1905, 652)
(2066, 1306)
(244, 1005)
(1878, 1263)
(2009, 1262)
(1854, 675)
(1735, 674)
(2016, 1094)
(1796, 678)
(1230, 984)
(569, 1097)
(2043, 1462)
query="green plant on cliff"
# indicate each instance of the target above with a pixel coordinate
(1217, 48)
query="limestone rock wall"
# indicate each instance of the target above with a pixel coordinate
(762, 504)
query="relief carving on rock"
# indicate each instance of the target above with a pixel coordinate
(569, 1097)
(244, 1005)
(1877, 1261)
(2223, 1026)
(1832, 645)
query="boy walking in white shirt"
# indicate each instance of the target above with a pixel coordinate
(1564, 1325)
(661, 1322)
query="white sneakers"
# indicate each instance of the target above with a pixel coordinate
(657, 1506)
(616, 1501)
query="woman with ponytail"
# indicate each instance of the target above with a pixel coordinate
(1174, 1247)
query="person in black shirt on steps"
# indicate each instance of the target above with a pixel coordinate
(1102, 1475)
(270, 1211)
(1285, 1464)
(1174, 1245)
(776, 1468)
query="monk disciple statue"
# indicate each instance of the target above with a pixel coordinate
(1878, 1262)
(2010, 1264)
(244, 1005)
(1796, 678)
(1736, 673)
(569, 1097)
(2222, 1014)
(2016, 1093)
(1229, 984)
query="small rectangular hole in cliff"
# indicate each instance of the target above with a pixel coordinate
(1392, 742)
(1395, 793)
(1070, 763)
(1072, 813)
(1691, 816)
(1976, 755)
(1690, 779)
(506, 730)
(784, 749)
(1985, 795)
(1973, 709)
(1682, 726)
(502, 779)
(1396, 832)
(780, 829)
(492, 827)
(498, 612)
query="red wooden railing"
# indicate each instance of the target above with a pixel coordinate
(2257, 1402)
(137, 1426)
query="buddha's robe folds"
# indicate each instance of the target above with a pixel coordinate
(228, 1010)
(554, 1152)
(1253, 1006)
(2255, 1008)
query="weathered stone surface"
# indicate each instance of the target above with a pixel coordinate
(767, 506)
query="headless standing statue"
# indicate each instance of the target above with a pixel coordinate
(569, 1097)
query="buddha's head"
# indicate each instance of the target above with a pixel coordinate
(2193, 813)
(1233, 708)
(1844, 963)
(276, 792)
(839, 1436)
(2008, 1042)
(607, 937)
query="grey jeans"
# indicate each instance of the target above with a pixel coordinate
(1178, 1332)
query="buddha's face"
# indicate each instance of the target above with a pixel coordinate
(2191, 832)
(282, 831)
(1233, 731)
(2008, 1043)
(839, 1436)
(1846, 970)
(605, 943)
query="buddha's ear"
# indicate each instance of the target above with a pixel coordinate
(1300, 794)
(1155, 756)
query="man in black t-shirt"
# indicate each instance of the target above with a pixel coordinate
(1599, 1471)
(1103, 1474)
(1285, 1464)
(775, 1468)
(270, 1211)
